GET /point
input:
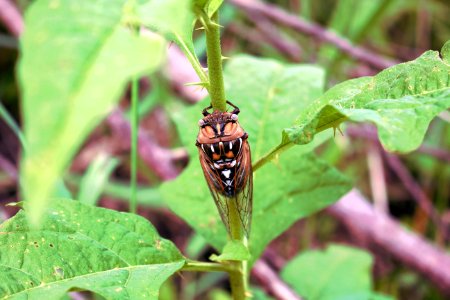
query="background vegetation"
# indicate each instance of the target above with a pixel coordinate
(302, 49)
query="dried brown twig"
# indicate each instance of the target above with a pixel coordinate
(11, 17)
(415, 191)
(272, 36)
(369, 132)
(179, 71)
(388, 235)
(299, 24)
(160, 160)
(271, 282)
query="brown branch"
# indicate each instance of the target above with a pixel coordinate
(381, 231)
(8, 167)
(369, 132)
(11, 17)
(179, 71)
(415, 190)
(302, 25)
(160, 160)
(271, 282)
(273, 37)
(377, 178)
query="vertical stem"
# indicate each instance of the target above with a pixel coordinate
(134, 142)
(9, 120)
(238, 278)
(214, 60)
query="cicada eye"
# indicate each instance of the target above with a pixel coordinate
(201, 122)
(234, 117)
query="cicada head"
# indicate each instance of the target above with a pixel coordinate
(219, 126)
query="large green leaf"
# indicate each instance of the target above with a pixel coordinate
(401, 101)
(173, 18)
(76, 58)
(176, 20)
(117, 255)
(269, 95)
(339, 272)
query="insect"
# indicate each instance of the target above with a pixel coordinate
(226, 162)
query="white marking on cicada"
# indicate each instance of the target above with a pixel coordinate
(212, 148)
(240, 143)
(216, 166)
(226, 173)
(234, 117)
(231, 145)
(228, 182)
(233, 163)
(203, 148)
(201, 122)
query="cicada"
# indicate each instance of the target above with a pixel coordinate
(226, 162)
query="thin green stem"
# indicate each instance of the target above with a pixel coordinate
(239, 277)
(134, 142)
(271, 155)
(214, 59)
(198, 266)
(194, 62)
(12, 124)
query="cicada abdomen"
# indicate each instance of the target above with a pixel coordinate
(226, 162)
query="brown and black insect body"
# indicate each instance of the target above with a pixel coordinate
(226, 162)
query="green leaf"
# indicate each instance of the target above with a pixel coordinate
(259, 294)
(339, 272)
(401, 101)
(73, 68)
(269, 95)
(94, 181)
(233, 250)
(169, 17)
(117, 255)
(176, 20)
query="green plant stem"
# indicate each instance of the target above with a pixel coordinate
(271, 155)
(134, 142)
(238, 277)
(198, 266)
(214, 60)
(193, 60)
(9, 120)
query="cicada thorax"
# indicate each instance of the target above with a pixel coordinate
(223, 143)
(226, 162)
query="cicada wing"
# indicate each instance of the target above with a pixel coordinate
(244, 199)
(215, 186)
(243, 185)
